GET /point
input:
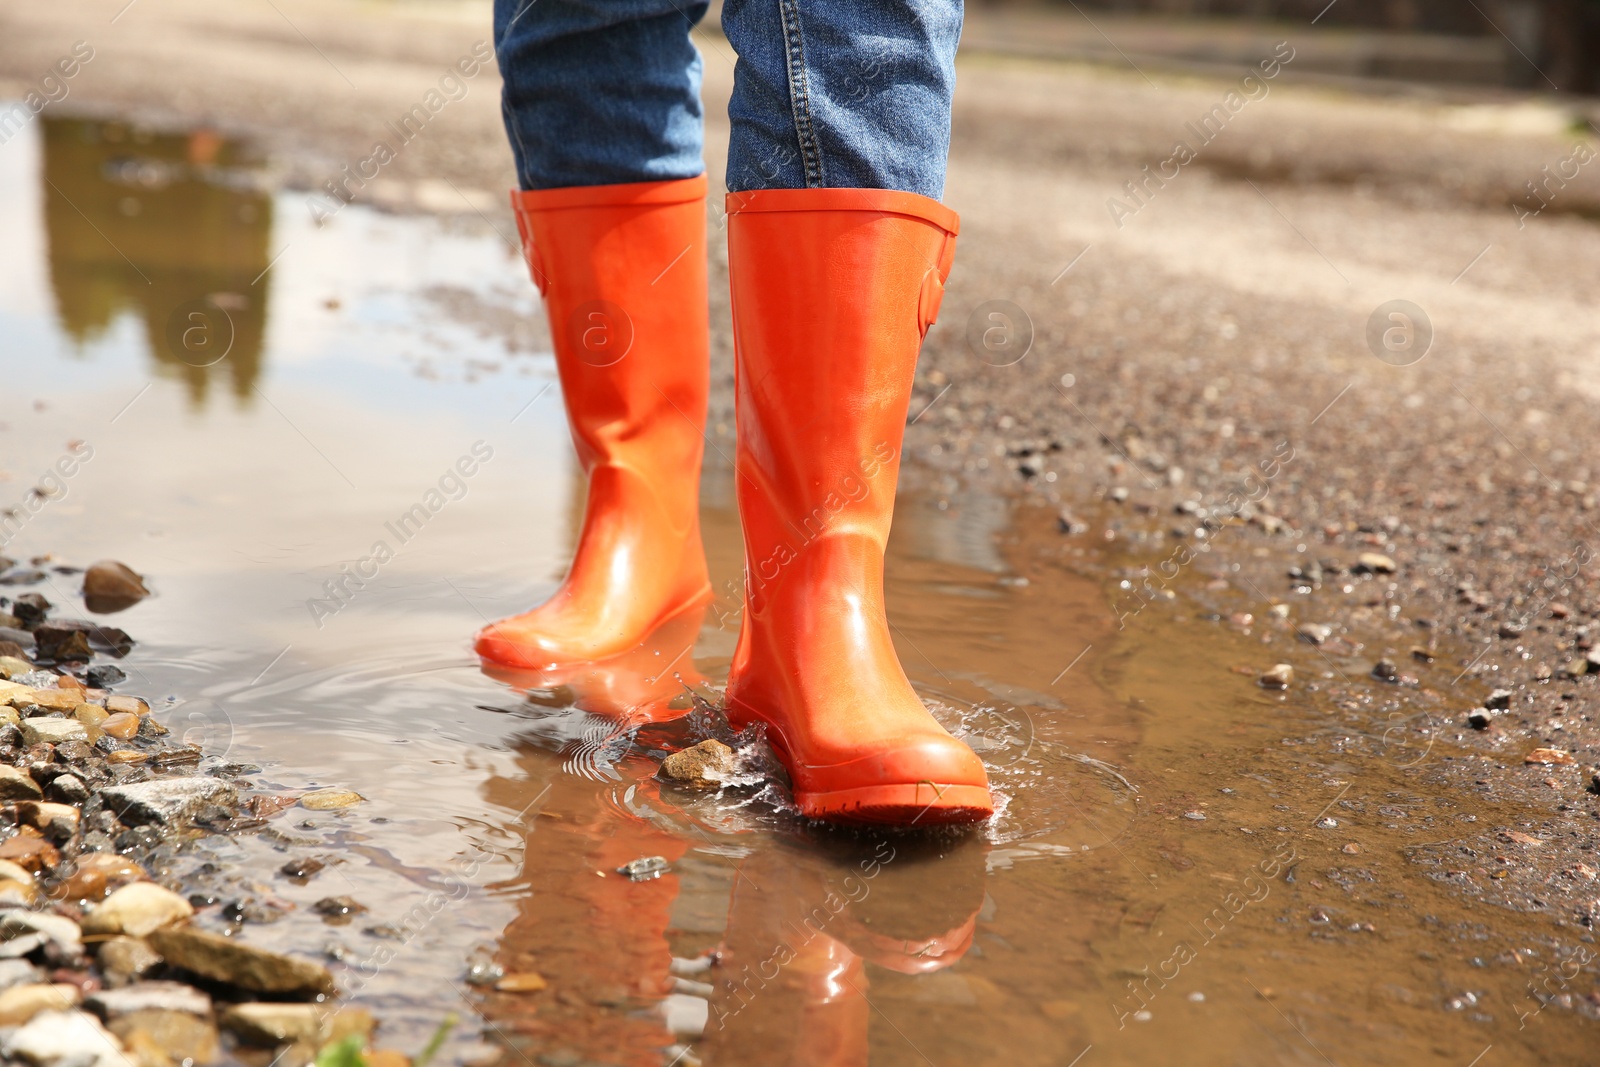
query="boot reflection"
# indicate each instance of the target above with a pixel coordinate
(648, 683)
(806, 921)
(598, 938)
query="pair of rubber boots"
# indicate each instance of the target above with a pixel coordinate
(832, 292)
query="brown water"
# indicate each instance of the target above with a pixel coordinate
(1162, 884)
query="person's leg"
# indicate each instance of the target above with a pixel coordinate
(837, 256)
(603, 112)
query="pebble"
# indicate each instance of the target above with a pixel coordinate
(1277, 677)
(58, 822)
(18, 927)
(1376, 563)
(67, 640)
(137, 909)
(62, 1037)
(303, 869)
(338, 907)
(165, 1038)
(52, 731)
(525, 982)
(122, 726)
(226, 959)
(703, 766)
(148, 996)
(1499, 700)
(1314, 632)
(110, 586)
(104, 676)
(1385, 670)
(1197, 816)
(644, 868)
(1480, 718)
(330, 799)
(126, 705)
(274, 1024)
(167, 801)
(69, 789)
(1549, 757)
(123, 959)
(33, 854)
(22, 1002)
(98, 874)
(18, 785)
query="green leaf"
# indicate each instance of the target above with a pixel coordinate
(346, 1053)
(434, 1042)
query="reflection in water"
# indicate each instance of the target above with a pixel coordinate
(771, 941)
(170, 226)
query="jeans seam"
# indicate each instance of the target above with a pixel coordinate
(800, 93)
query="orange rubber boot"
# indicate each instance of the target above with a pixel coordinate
(623, 273)
(833, 290)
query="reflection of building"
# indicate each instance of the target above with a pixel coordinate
(149, 222)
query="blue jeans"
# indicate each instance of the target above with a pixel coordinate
(826, 93)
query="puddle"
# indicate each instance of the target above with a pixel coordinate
(1185, 866)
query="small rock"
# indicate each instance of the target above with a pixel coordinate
(58, 822)
(1422, 655)
(98, 874)
(35, 928)
(1375, 563)
(1351, 849)
(1314, 632)
(68, 640)
(225, 959)
(136, 910)
(274, 1024)
(302, 869)
(1196, 815)
(1278, 677)
(1549, 757)
(126, 705)
(123, 959)
(1499, 700)
(21, 1003)
(104, 676)
(109, 586)
(60, 1038)
(703, 766)
(338, 907)
(167, 801)
(1480, 718)
(644, 868)
(18, 785)
(330, 799)
(30, 607)
(52, 731)
(148, 996)
(122, 726)
(526, 982)
(1385, 670)
(166, 1038)
(12, 664)
(1069, 524)
(69, 789)
(1511, 629)
(33, 854)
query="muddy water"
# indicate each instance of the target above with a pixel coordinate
(1186, 867)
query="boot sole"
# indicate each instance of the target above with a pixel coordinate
(908, 804)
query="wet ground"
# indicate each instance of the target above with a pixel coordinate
(1187, 864)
